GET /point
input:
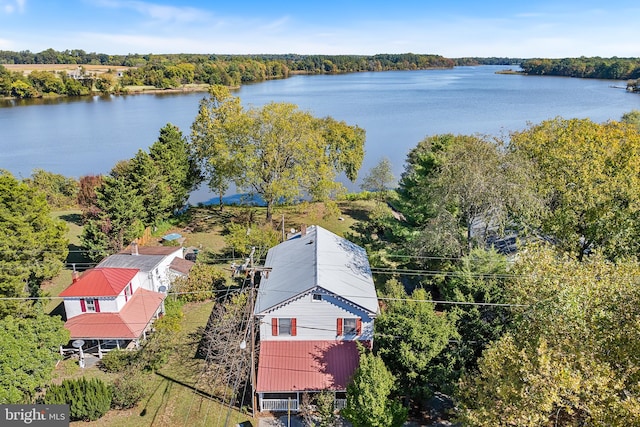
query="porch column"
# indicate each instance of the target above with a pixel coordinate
(99, 350)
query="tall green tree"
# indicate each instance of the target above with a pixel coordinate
(33, 245)
(172, 155)
(117, 220)
(218, 134)
(572, 357)
(369, 400)
(589, 176)
(409, 335)
(152, 187)
(277, 152)
(29, 351)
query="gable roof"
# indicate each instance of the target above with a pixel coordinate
(306, 365)
(317, 258)
(100, 282)
(181, 265)
(141, 262)
(129, 323)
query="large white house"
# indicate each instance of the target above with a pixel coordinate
(314, 303)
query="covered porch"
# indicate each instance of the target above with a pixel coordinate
(103, 332)
(288, 369)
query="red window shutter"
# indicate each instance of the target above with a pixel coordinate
(83, 306)
(274, 327)
(97, 305)
(358, 326)
(294, 331)
(339, 327)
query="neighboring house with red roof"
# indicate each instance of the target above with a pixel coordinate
(315, 300)
(107, 308)
(114, 305)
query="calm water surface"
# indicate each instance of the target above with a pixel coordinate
(397, 109)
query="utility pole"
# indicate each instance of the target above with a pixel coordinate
(250, 269)
(253, 349)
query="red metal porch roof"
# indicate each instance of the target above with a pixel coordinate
(100, 282)
(306, 365)
(129, 323)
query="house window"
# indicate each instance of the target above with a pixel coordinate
(317, 297)
(90, 305)
(127, 292)
(283, 326)
(349, 326)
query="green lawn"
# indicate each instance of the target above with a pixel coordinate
(171, 399)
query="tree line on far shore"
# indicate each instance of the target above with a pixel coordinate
(175, 70)
(170, 71)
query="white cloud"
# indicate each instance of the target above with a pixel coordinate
(157, 12)
(9, 6)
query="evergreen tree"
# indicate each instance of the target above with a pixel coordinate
(33, 245)
(29, 351)
(368, 396)
(172, 155)
(118, 219)
(409, 335)
(88, 399)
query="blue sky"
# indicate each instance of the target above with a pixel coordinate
(535, 28)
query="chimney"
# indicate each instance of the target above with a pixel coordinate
(134, 248)
(74, 276)
(303, 230)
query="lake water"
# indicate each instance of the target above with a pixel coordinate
(75, 137)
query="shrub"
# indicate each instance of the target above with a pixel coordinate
(88, 399)
(127, 390)
(117, 360)
(202, 281)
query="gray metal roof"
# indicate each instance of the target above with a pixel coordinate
(318, 258)
(141, 262)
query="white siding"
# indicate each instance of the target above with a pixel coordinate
(316, 320)
(73, 307)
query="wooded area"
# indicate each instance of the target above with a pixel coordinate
(176, 70)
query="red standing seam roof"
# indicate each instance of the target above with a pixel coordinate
(129, 323)
(100, 282)
(306, 365)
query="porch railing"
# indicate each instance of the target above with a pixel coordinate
(279, 405)
(284, 405)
